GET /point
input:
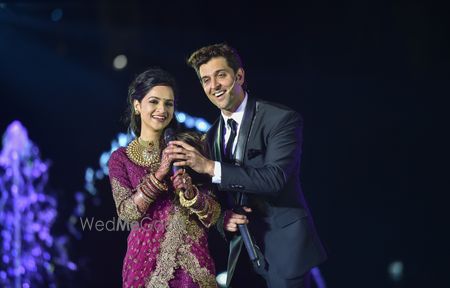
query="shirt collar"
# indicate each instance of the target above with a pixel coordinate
(239, 113)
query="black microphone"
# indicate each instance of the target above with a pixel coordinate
(169, 135)
(247, 238)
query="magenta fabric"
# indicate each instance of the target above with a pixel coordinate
(169, 246)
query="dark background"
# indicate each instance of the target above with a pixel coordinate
(368, 77)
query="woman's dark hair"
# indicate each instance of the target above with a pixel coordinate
(194, 139)
(140, 86)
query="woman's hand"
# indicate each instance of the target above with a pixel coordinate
(182, 181)
(166, 161)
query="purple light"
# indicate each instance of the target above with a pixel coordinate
(15, 142)
(30, 264)
(27, 213)
(36, 251)
(72, 266)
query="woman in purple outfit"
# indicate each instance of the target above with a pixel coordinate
(169, 246)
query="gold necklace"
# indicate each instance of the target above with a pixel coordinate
(143, 153)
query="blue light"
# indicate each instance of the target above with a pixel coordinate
(395, 271)
(99, 174)
(122, 139)
(202, 125)
(57, 15)
(104, 158)
(89, 175)
(190, 122)
(181, 117)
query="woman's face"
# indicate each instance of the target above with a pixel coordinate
(156, 109)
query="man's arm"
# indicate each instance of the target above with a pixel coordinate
(282, 159)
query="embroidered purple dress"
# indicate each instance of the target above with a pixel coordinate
(169, 246)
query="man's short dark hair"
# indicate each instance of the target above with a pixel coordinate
(204, 54)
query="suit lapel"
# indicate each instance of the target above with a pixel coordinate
(239, 155)
(215, 139)
(244, 132)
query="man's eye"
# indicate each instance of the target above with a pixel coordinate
(222, 75)
(154, 101)
(170, 104)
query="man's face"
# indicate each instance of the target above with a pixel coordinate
(222, 86)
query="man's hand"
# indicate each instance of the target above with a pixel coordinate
(233, 219)
(191, 157)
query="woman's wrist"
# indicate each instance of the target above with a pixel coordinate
(159, 184)
(159, 176)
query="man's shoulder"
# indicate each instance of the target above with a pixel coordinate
(276, 110)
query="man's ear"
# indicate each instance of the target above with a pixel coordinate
(240, 75)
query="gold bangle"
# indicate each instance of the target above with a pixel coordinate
(185, 202)
(144, 197)
(147, 198)
(148, 189)
(203, 214)
(161, 185)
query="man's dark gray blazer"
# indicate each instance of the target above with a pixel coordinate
(267, 170)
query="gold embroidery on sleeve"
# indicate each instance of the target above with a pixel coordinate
(204, 205)
(126, 208)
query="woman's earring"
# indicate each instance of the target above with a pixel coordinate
(136, 112)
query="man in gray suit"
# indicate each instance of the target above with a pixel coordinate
(256, 149)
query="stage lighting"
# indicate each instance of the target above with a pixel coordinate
(221, 279)
(181, 117)
(120, 62)
(395, 271)
(57, 15)
(202, 125)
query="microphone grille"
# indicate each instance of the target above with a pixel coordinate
(169, 135)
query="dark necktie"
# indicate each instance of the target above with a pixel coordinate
(229, 148)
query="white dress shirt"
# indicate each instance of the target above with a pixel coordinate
(236, 116)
